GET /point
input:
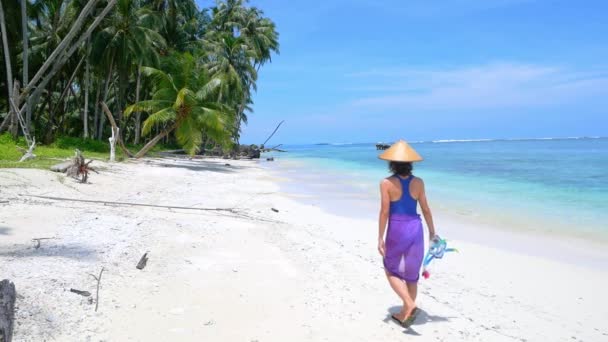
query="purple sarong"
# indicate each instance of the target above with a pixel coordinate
(404, 247)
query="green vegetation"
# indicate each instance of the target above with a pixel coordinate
(62, 148)
(169, 72)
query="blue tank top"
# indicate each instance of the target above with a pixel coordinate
(406, 205)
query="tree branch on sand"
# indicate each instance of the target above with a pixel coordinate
(235, 212)
(98, 278)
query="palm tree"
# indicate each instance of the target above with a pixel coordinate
(57, 35)
(230, 62)
(184, 101)
(261, 34)
(228, 15)
(242, 40)
(262, 38)
(130, 37)
(180, 22)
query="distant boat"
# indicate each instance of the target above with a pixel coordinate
(382, 146)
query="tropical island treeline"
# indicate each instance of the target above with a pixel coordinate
(167, 70)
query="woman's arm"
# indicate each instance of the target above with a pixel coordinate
(426, 211)
(384, 211)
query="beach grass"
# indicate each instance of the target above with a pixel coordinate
(61, 149)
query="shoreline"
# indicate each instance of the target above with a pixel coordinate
(341, 196)
(299, 274)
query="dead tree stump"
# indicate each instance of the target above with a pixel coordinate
(7, 310)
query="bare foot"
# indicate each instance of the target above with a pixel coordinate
(400, 316)
(406, 316)
(409, 312)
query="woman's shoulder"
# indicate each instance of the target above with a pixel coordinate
(417, 180)
(389, 180)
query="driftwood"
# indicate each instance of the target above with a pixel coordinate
(37, 240)
(61, 167)
(29, 153)
(82, 293)
(8, 296)
(80, 168)
(98, 278)
(142, 262)
(275, 149)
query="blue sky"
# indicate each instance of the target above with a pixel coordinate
(366, 71)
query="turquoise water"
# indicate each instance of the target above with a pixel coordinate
(559, 184)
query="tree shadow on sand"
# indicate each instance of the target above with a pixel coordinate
(5, 230)
(49, 250)
(194, 165)
(422, 318)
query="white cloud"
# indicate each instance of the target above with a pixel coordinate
(499, 85)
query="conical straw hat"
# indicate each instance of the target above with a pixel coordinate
(401, 152)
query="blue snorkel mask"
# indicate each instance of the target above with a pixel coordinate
(437, 249)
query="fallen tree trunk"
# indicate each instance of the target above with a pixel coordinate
(61, 167)
(8, 296)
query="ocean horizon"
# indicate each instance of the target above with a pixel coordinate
(541, 185)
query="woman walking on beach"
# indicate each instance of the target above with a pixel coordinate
(403, 249)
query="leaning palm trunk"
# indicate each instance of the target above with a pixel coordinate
(144, 150)
(62, 59)
(68, 86)
(7, 56)
(24, 36)
(85, 114)
(9, 71)
(59, 50)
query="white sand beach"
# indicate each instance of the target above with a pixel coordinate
(299, 274)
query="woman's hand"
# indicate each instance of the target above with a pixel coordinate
(432, 236)
(381, 247)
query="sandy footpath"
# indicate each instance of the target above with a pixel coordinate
(299, 274)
